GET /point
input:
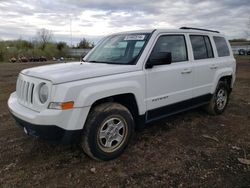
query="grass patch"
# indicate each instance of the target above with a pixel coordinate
(242, 57)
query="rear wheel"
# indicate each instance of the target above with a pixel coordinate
(107, 131)
(218, 102)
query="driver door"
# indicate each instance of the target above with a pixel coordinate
(169, 84)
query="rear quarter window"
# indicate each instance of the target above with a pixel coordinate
(221, 46)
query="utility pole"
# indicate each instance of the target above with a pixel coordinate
(71, 31)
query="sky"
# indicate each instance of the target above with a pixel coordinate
(94, 19)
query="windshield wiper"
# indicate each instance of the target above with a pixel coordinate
(96, 61)
(108, 62)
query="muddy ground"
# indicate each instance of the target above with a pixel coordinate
(168, 153)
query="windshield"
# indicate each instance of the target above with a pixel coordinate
(119, 49)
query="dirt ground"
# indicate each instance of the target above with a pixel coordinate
(169, 153)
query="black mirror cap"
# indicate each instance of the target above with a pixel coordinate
(149, 65)
(159, 58)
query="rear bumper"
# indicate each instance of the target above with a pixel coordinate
(49, 132)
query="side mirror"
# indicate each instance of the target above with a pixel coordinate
(159, 58)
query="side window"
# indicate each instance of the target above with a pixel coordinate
(210, 53)
(175, 44)
(201, 46)
(221, 46)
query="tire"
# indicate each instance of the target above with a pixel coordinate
(219, 100)
(107, 132)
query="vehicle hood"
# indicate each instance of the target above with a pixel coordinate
(67, 72)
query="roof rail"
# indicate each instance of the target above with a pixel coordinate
(193, 28)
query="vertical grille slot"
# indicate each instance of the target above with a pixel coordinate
(27, 92)
(22, 89)
(31, 93)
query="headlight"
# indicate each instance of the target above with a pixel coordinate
(43, 93)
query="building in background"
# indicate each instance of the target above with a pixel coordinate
(237, 46)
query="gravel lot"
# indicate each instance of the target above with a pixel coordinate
(191, 149)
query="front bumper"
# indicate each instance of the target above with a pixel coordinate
(49, 124)
(49, 132)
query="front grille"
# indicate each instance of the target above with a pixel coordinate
(25, 90)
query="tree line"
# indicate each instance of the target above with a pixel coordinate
(41, 45)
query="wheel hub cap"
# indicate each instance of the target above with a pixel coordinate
(112, 134)
(221, 99)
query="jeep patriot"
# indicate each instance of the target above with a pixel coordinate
(129, 79)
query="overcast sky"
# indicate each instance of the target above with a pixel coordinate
(93, 19)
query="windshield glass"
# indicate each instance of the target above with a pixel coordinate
(119, 49)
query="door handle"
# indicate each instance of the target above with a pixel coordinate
(213, 66)
(186, 71)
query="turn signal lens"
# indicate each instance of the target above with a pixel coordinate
(67, 105)
(61, 105)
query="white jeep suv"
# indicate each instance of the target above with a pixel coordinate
(127, 80)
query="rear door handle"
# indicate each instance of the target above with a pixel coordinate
(186, 71)
(213, 67)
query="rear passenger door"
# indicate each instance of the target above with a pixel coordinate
(204, 64)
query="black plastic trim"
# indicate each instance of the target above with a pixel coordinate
(175, 108)
(49, 132)
(200, 29)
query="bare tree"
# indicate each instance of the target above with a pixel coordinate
(44, 36)
(84, 43)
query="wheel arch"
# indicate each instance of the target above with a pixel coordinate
(226, 76)
(127, 99)
(228, 81)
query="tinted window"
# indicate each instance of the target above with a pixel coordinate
(221, 46)
(209, 47)
(175, 44)
(202, 48)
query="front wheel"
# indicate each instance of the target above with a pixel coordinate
(219, 101)
(107, 131)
